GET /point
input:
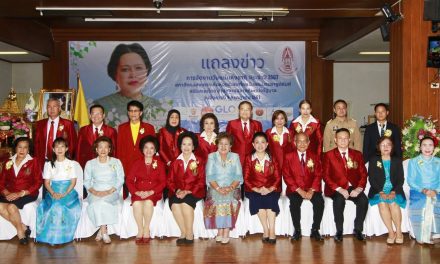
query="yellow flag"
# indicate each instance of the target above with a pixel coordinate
(81, 111)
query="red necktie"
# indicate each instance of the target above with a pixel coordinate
(345, 159)
(303, 163)
(50, 141)
(96, 133)
(246, 130)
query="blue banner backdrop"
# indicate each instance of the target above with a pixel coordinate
(195, 77)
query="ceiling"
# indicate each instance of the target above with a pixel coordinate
(371, 42)
(30, 57)
(302, 14)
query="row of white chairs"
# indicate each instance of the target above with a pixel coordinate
(164, 225)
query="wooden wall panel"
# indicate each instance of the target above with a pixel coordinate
(410, 91)
(319, 82)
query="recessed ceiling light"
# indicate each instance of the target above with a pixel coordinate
(374, 53)
(247, 20)
(13, 52)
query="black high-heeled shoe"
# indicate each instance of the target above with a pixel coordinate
(28, 232)
(23, 241)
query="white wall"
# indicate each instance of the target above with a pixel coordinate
(5, 79)
(361, 85)
(27, 75)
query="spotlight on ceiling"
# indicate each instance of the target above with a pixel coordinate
(389, 14)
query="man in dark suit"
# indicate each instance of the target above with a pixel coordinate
(48, 129)
(88, 134)
(345, 177)
(379, 129)
(303, 175)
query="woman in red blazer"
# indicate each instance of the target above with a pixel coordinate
(145, 183)
(262, 182)
(208, 133)
(243, 129)
(279, 137)
(310, 125)
(20, 180)
(186, 185)
(169, 150)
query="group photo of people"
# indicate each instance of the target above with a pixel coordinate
(301, 159)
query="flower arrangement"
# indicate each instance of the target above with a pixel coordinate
(5, 121)
(415, 129)
(20, 128)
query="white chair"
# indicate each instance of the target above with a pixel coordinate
(28, 217)
(128, 223)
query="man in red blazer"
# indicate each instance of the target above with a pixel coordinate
(48, 129)
(129, 135)
(345, 177)
(88, 134)
(243, 129)
(302, 174)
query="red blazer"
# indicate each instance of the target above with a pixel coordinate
(66, 129)
(169, 150)
(29, 178)
(314, 132)
(86, 138)
(279, 151)
(242, 146)
(189, 180)
(335, 175)
(295, 178)
(147, 178)
(128, 152)
(204, 148)
(269, 177)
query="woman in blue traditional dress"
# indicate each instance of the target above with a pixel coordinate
(103, 179)
(223, 176)
(59, 212)
(424, 197)
(385, 174)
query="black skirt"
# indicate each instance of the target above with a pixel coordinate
(189, 199)
(20, 202)
(258, 201)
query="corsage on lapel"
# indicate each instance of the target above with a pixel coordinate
(379, 164)
(9, 164)
(388, 133)
(276, 138)
(351, 164)
(60, 127)
(154, 165)
(258, 167)
(141, 131)
(193, 166)
(311, 165)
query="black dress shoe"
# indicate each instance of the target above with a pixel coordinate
(338, 236)
(180, 241)
(296, 236)
(265, 239)
(23, 241)
(189, 241)
(272, 241)
(316, 235)
(359, 236)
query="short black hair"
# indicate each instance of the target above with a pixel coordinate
(103, 139)
(207, 116)
(23, 139)
(305, 101)
(148, 139)
(135, 104)
(343, 129)
(339, 101)
(187, 134)
(381, 104)
(275, 115)
(264, 135)
(122, 49)
(96, 106)
(245, 102)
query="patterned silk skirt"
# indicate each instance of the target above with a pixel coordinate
(221, 211)
(424, 215)
(57, 219)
